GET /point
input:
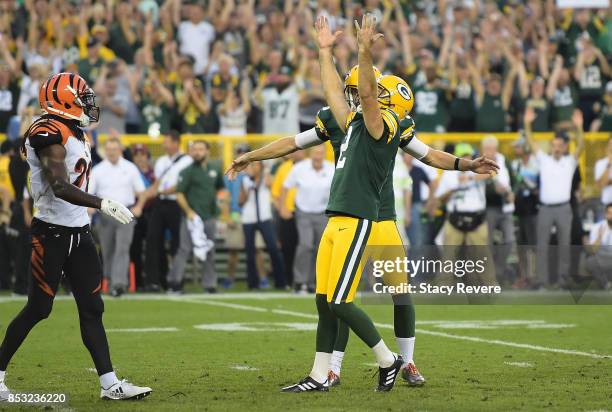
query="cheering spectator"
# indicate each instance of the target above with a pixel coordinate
(190, 99)
(556, 175)
(120, 179)
(234, 111)
(279, 98)
(195, 36)
(312, 180)
(112, 90)
(156, 104)
(197, 190)
(590, 72)
(431, 111)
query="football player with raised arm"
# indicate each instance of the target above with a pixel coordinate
(328, 129)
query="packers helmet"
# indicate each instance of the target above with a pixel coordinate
(350, 85)
(395, 94)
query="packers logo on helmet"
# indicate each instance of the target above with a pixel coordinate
(395, 94)
(350, 86)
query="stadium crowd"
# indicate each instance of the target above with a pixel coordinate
(166, 68)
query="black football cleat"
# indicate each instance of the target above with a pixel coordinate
(306, 385)
(412, 375)
(386, 376)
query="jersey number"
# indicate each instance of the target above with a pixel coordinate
(84, 169)
(343, 147)
(279, 109)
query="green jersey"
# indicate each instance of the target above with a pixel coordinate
(328, 130)
(387, 194)
(362, 167)
(491, 115)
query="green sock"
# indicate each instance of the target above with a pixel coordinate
(327, 328)
(404, 317)
(343, 336)
(358, 321)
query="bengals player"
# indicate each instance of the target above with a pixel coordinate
(59, 156)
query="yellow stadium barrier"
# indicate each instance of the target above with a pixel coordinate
(223, 147)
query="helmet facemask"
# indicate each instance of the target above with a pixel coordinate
(351, 94)
(86, 100)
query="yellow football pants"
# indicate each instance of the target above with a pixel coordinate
(342, 255)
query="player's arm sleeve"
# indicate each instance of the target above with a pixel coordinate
(415, 148)
(320, 128)
(309, 138)
(391, 125)
(44, 135)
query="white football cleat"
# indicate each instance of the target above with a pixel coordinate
(4, 392)
(124, 390)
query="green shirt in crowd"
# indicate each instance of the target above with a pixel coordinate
(200, 183)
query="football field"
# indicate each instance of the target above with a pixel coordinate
(234, 351)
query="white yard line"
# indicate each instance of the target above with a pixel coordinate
(216, 300)
(425, 332)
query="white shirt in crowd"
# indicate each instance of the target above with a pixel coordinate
(281, 110)
(195, 40)
(120, 181)
(555, 178)
(167, 170)
(468, 196)
(601, 166)
(233, 123)
(258, 207)
(312, 185)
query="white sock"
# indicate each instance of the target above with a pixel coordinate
(2, 373)
(108, 379)
(384, 356)
(319, 368)
(336, 362)
(406, 349)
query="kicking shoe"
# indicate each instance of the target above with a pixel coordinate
(305, 385)
(411, 374)
(4, 392)
(332, 379)
(123, 391)
(386, 376)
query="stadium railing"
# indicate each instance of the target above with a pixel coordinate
(223, 147)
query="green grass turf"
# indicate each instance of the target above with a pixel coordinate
(195, 369)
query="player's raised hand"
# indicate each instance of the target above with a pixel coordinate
(238, 165)
(325, 38)
(367, 34)
(484, 166)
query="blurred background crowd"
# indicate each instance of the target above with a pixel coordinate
(166, 68)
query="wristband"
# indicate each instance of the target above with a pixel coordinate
(456, 163)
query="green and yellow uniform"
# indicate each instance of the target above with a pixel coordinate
(386, 232)
(362, 166)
